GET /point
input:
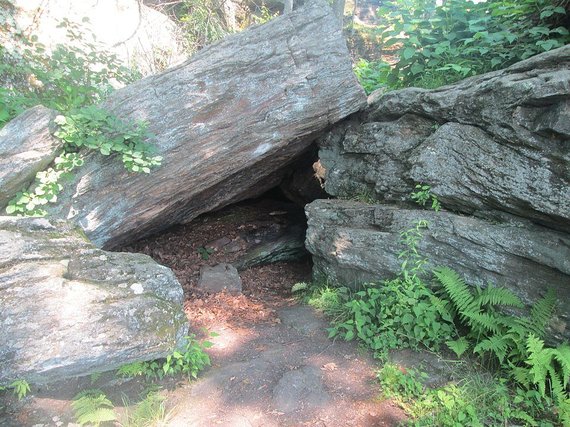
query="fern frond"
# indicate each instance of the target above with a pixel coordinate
(93, 407)
(495, 344)
(562, 356)
(458, 346)
(539, 360)
(498, 296)
(556, 385)
(541, 313)
(456, 288)
(482, 322)
(519, 414)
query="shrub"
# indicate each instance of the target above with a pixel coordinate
(441, 44)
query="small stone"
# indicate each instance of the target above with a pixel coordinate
(220, 277)
(218, 243)
(235, 246)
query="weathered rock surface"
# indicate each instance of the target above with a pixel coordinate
(495, 142)
(352, 243)
(67, 308)
(218, 278)
(26, 147)
(225, 122)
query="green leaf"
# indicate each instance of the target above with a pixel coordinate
(408, 52)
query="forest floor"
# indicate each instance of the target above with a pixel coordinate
(272, 362)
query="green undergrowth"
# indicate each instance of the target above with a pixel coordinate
(71, 78)
(20, 388)
(189, 361)
(93, 407)
(437, 44)
(525, 382)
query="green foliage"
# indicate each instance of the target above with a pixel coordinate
(149, 412)
(189, 361)
(441, 44)
(372, 75)
(138, 369)
(423, 195)
(549, 367)
(91, 128)
(299, 287)
(514, 342)
(77, 73)
(481, 312)
(406, 312)
(398, 313)
(93, 407)
(97, 129)
(202, 23)
(20, 388)
(46, 187)
(474, 400)
(205, 252)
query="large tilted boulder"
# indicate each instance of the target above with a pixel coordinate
(353, 243)
(495, 142)
(68, 308)
(227, 122)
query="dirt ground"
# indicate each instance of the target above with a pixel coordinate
(272, 363)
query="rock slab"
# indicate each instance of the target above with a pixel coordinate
(353, 243)
(494, 142)
(69, 309)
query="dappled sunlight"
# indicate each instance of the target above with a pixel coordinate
(341, 244)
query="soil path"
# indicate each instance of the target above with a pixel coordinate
(285, 373)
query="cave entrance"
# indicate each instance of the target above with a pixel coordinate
(263, 238)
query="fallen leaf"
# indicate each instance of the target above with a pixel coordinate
(329, 367)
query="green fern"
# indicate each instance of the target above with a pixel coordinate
(493, 295)
(549, 367)
(458, 346)
(92, 407)
(541, 313)
(496, 344)
(456, 289)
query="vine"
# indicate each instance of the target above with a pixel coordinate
(95, 129)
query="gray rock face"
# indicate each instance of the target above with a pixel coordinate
(495, 142)
(218, 278)
(227, 122)
(354, 243)
(26, 147)
(68, 309)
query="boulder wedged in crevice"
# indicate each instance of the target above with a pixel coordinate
(227, 122)
(70, 309)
